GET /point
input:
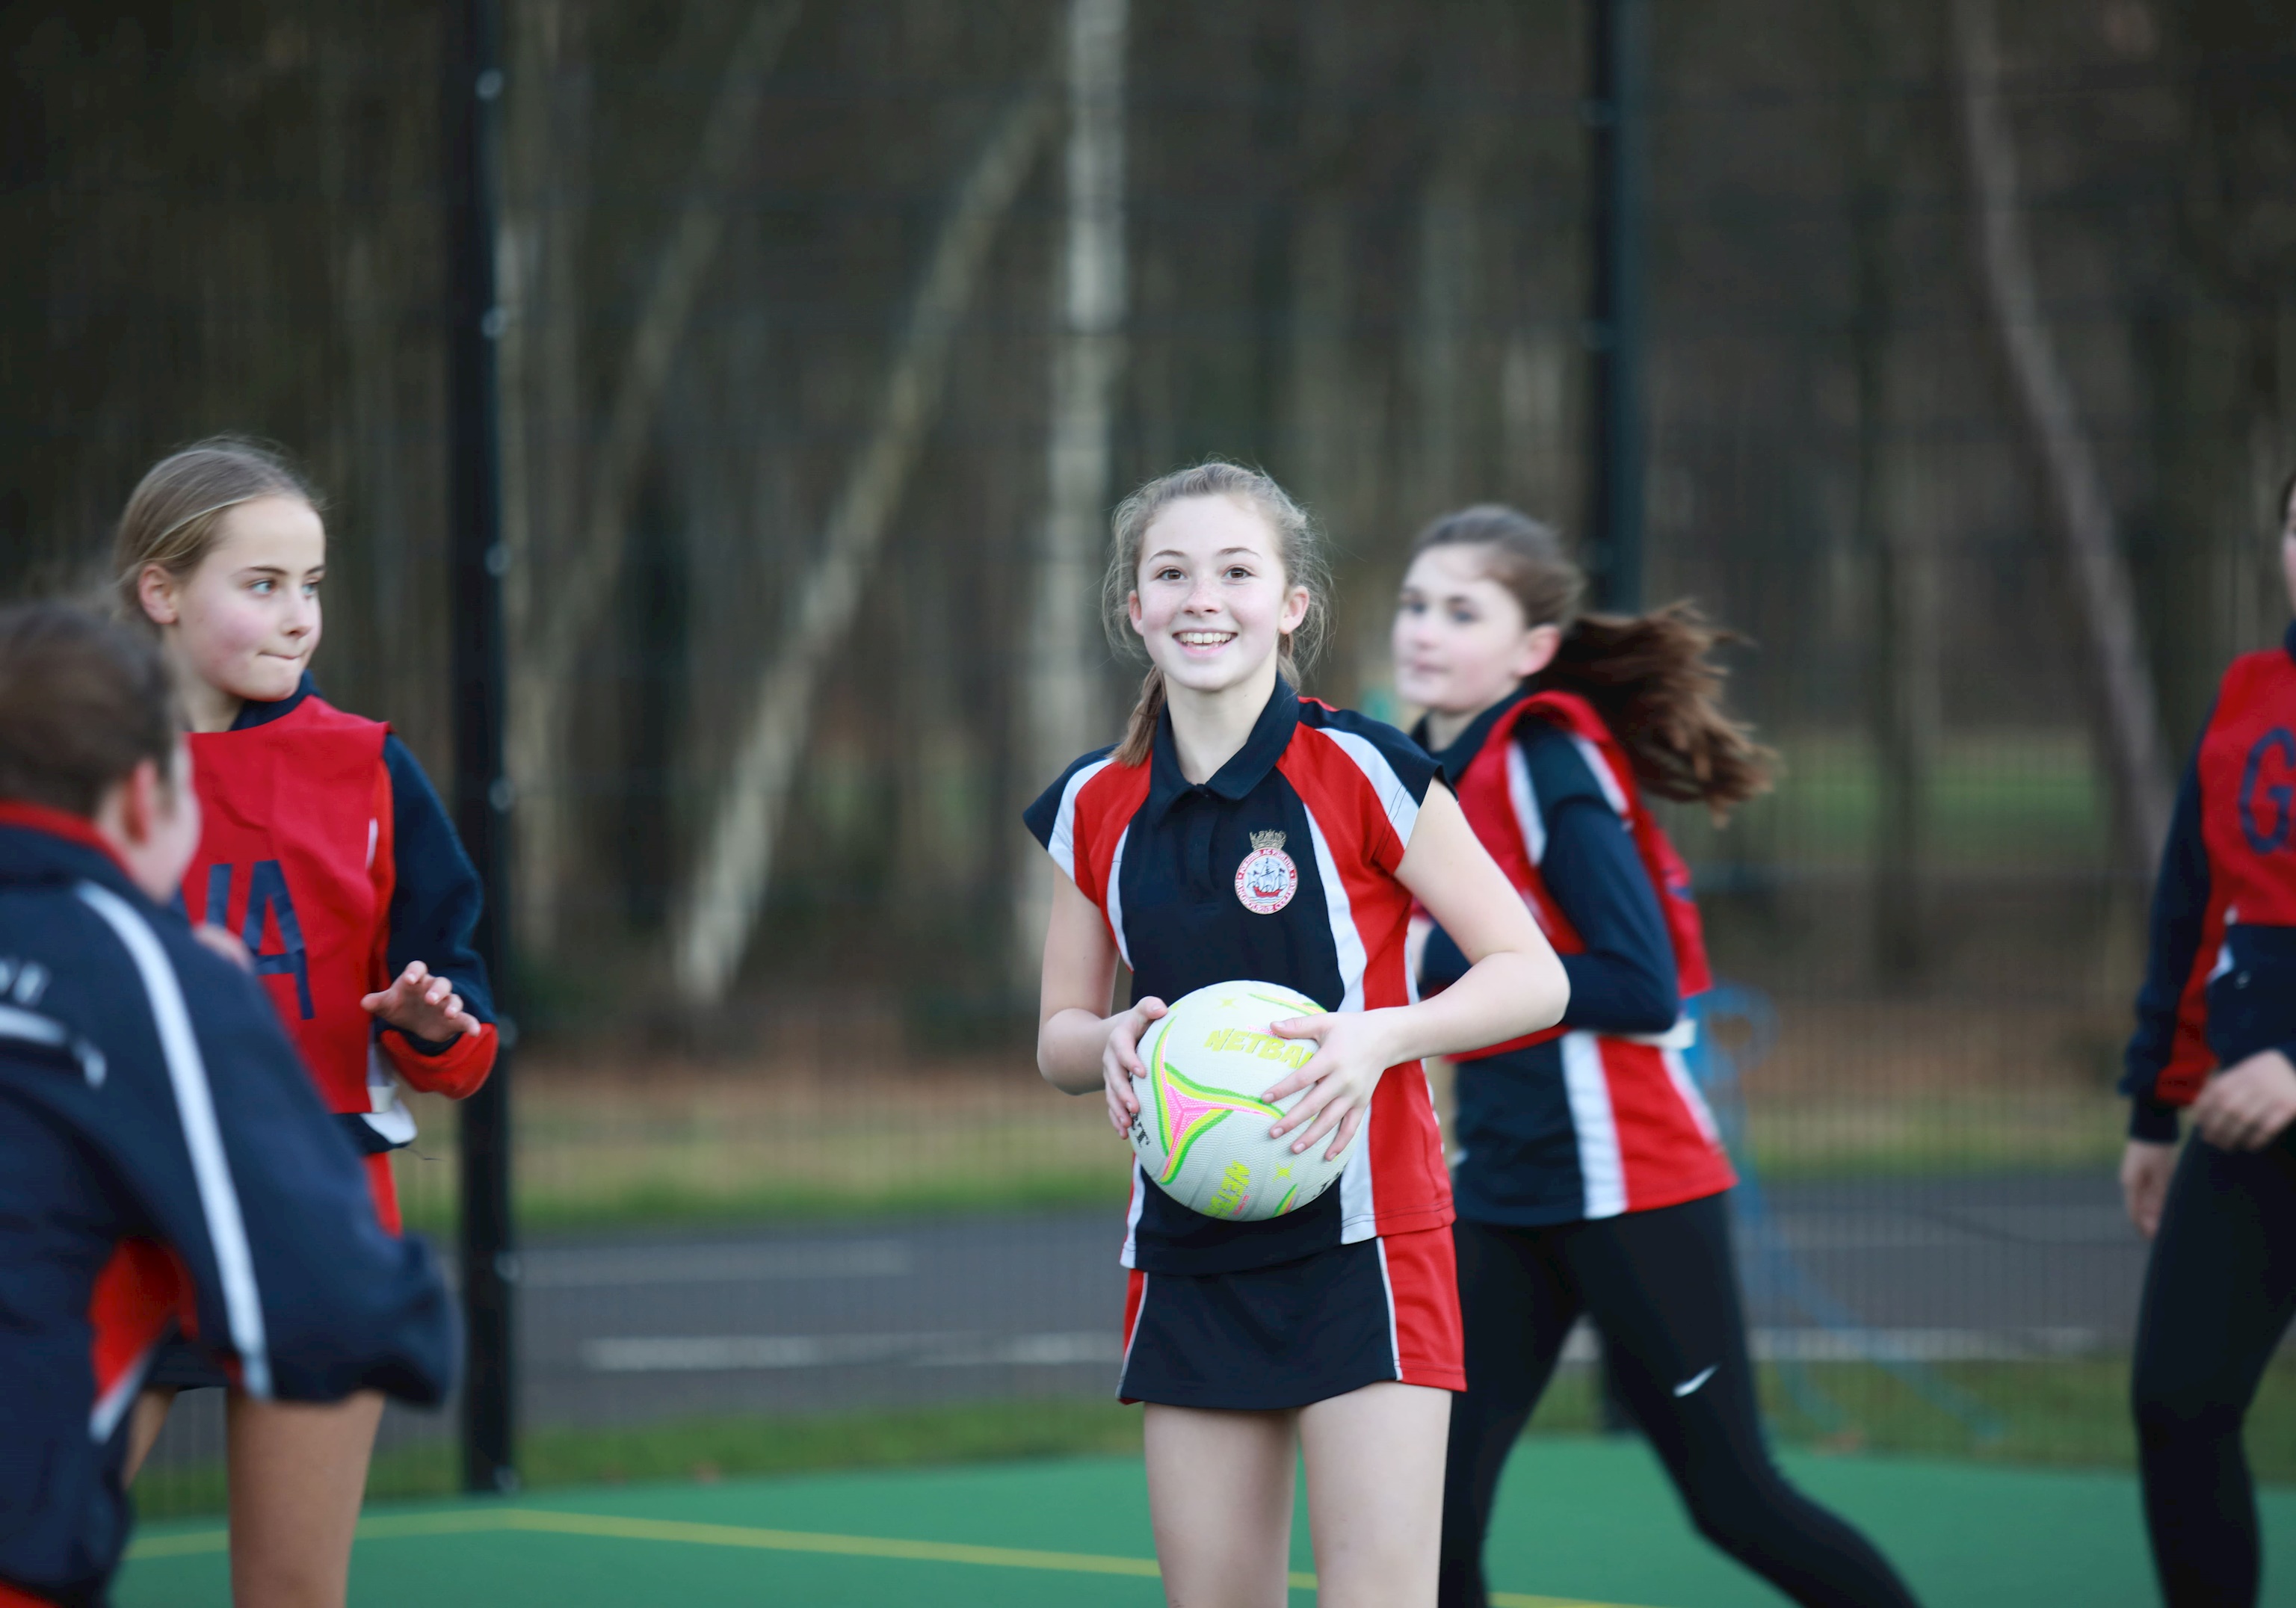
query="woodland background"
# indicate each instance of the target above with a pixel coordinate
(1345, 241)
(830, 332)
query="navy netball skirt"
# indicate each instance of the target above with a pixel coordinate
(1300, 1331)
(181, 1365)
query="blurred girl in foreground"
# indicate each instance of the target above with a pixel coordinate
(164, 1164)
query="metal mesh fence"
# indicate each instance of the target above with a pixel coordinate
(829, 334)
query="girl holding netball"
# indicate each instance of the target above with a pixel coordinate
(2216, 1031)
(1588, 1176)
(326, 850)
(1330, 1334)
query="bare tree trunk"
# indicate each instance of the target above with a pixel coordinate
(2130, 713)
(718, 906)
(1329, 443)
(1899, 538)
(547, 641)
(1326, 443)
(1444, 308)
(539, 275)
(1062, 688)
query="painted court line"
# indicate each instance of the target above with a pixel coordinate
(537, 1521)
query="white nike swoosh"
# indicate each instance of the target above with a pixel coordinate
(1694, 1381)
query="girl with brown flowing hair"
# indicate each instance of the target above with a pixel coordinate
(1587, 1173)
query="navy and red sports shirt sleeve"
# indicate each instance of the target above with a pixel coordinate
(1624, 982)
(1043, 816)
(436, 898)
(2180, 902)
(1412, 765)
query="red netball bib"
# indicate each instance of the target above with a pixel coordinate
(286, 863)
(1487, 798)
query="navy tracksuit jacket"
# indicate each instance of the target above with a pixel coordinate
(164, 1161)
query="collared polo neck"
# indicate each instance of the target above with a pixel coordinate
(1246, 768)
(1456, 759)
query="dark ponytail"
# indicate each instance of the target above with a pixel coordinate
(1649, 676)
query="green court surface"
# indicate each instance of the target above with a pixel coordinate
(1583, 1523)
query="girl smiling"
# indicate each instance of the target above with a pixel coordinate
(1330, 1334)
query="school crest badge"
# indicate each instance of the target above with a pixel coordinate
(1267, 879)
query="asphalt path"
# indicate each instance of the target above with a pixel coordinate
(635, 1328)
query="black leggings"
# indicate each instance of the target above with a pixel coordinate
(2218, 1294)
(1660, 1287)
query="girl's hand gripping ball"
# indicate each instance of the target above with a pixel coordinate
(1121, 1062)
(1351, 1058)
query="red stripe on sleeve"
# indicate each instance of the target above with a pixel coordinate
(1104, 806)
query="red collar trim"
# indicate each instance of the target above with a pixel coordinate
(57, 823)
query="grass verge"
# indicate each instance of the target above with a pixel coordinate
(609, 1175)
(715, 1448)
(2070, 1413)
(667, 1201)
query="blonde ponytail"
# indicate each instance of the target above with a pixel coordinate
(1140, 730)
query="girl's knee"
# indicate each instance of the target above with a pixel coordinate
(288, 1579)
(1741, 1511)
(2167, 1412)
(1732, 1524)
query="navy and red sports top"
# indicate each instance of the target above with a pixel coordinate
(1280, 868)
(1598, 1115)
(324, 848)
(2220, 983)
(165, 1164)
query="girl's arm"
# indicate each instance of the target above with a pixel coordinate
(2179, 918)
(1624, 982)
(434, 986)
(1079, 1047)
(1514, 986)
(1623, 979)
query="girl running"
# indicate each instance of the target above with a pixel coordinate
(326, 850)
(1587, 1173)
(1331, 1333)
(2216, 1030)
